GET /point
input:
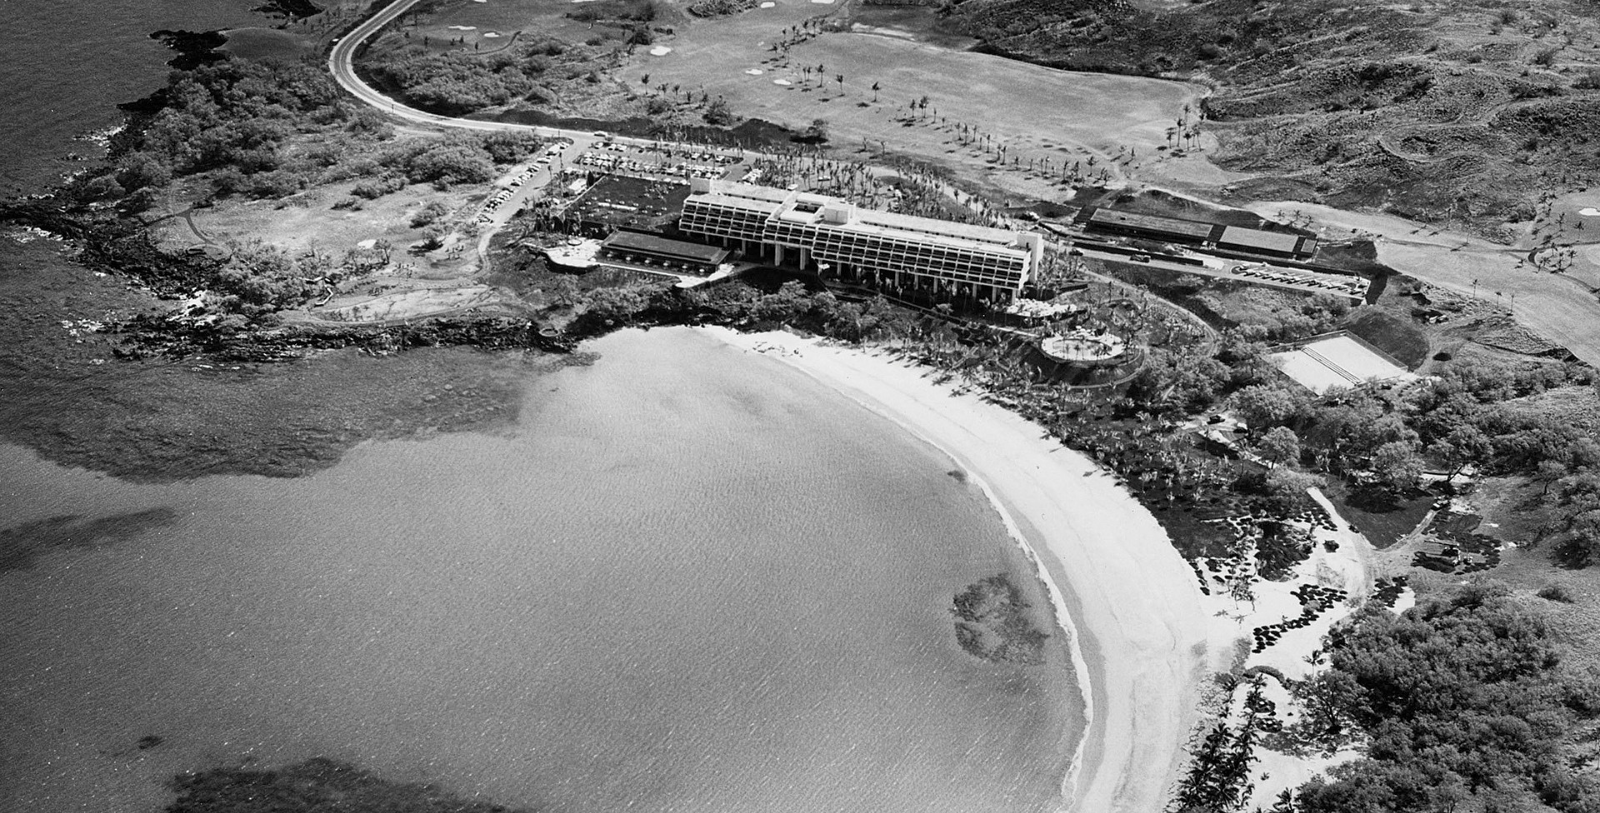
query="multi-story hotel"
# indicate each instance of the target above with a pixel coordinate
(833, 237)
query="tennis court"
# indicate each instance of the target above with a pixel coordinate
(1338, 361)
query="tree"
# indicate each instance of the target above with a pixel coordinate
(1465, 445)
(1580, 546)
(875, 88)
(1263, 406)
(717, 113)
(1397, 464)
(1287, 487)
(817, 132)
(1280, 445)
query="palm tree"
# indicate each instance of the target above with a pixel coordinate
(875, 87)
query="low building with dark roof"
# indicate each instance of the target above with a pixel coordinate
(1199, 233)
(1277, 243)
(636, 248)
(1169, 229)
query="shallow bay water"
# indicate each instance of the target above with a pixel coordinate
(687, 580)
(681, 580)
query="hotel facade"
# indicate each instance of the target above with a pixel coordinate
(833, 237)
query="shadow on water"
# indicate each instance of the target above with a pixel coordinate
(22, 545)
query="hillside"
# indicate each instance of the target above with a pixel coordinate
(1452, 113)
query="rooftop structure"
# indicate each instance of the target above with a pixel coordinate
(834, 237)
(648, 249)
(1197, 232)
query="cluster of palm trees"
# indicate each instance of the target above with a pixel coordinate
(1075, 173)
(1185, 132)
(793, 35)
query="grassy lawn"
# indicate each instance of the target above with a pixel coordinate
(1403, 340)
(1383, 519)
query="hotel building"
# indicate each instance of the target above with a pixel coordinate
(831, 236)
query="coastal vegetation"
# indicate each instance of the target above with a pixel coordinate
(1463, 702)
(455, 82)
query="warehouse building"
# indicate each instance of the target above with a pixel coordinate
(1199, 233)
(833, 237)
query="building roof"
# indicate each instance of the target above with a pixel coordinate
(943, 228)
(773, 201)
(1264, 240)
(752, 204)
(948, 241)
(1192, 229)
(662, 247)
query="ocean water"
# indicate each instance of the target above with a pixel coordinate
(688, 580)
(684, 579)
(68, 65)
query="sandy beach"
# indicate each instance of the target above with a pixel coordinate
(1131, 599)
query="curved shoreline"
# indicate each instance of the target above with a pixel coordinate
(1131, 602)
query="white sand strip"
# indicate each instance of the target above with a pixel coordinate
(1132, 597)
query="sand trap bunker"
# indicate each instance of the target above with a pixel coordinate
(824, 2)
(462, 27)
(490, 35)
(1589, 211)
(768, 5)
(783, 82)
(755, 71)
(660, 50)
(1340, 361)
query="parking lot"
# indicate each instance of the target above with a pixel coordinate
(1345, 286)
(505, 194)
(618, 158)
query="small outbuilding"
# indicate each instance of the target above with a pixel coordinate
(636, 248)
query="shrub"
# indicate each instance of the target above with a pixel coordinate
(428, 214)
(510, 147)
(379, 186)
(1556, 592)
